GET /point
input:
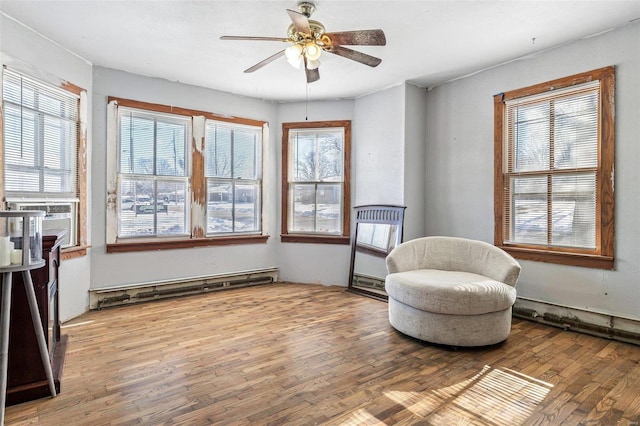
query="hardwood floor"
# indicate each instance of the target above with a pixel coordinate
(307, 354)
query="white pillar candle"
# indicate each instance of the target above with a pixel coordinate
(16, 257)
(5, 252)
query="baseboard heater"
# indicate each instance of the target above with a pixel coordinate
(362, 280)
(596, 324)
(142, 292)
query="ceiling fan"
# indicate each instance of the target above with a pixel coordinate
(308, 40)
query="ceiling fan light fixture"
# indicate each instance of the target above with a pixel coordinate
(293, 54)
(308, 39)
(312, 51)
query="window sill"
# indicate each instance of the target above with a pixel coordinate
(562, 258)
(73, 252)
(314, 239)
(139, 245)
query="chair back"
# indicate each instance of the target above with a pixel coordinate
(454, 254)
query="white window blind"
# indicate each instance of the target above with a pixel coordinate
(41, 125)
(551, 187)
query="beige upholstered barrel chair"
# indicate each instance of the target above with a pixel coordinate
(451, 291)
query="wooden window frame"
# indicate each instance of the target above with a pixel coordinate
(317, 238)
(602, 257)
(80, 249)
(197, 194)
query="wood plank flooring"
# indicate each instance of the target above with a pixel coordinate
(290, 354)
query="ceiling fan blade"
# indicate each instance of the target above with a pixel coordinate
(363, 58)
(312, 75)
(253, 38)
(265, 62)
(358, 38)
(300, 21)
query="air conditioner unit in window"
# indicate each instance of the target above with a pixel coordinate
(58, 215)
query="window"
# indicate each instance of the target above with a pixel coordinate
(183, 178)
(554, 170)
(152, 178)
(233, 178)
(44, 143)
(316, 188)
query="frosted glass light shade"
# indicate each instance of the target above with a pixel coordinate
(312, 65)
(312, 51)
(293, 54)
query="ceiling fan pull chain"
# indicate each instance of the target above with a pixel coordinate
(306, 102)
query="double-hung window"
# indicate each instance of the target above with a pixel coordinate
(44, 143)
(153, 173)
(181, 178)
(233, 175)
(316, 158)
(554, 189)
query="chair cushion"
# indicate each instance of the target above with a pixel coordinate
(449, 292)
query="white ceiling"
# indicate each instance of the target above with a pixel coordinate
(428, 42)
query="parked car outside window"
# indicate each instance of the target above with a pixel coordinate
(126, 203)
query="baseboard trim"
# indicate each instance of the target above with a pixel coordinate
(154, 290)
(597, 324)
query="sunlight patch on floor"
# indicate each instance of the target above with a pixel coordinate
(498, 396)
(77, 324)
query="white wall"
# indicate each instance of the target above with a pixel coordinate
(414, 159)
(459, 168)
(305, 262)
(389, 158)
(27, 51)
(378, 151)
(110, 269)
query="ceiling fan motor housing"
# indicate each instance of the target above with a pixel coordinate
(306, 8)
(316, 32)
